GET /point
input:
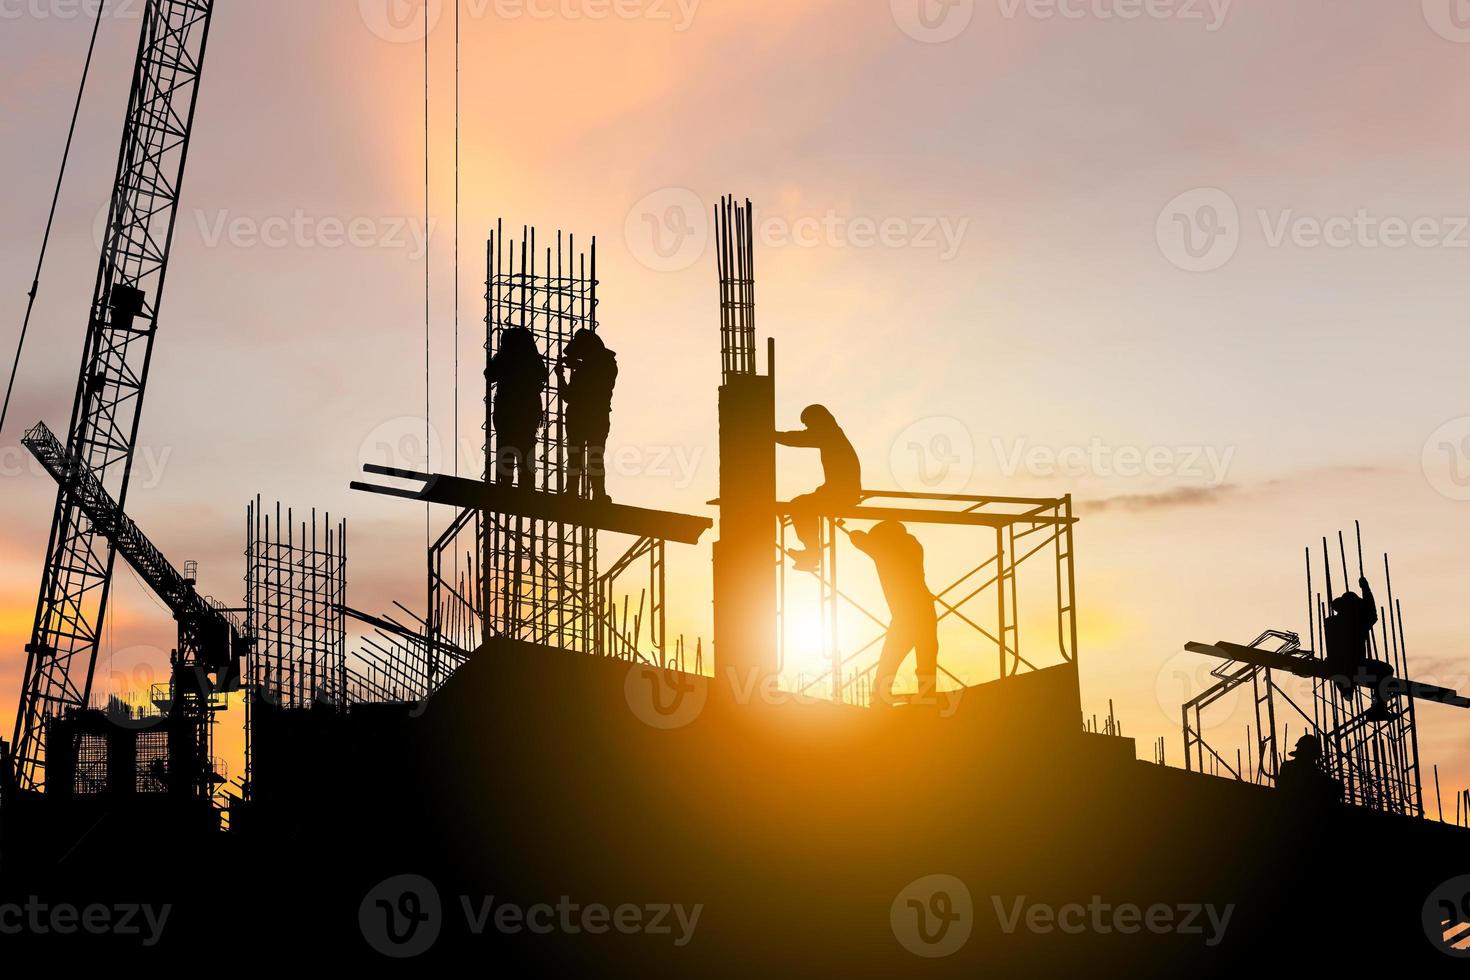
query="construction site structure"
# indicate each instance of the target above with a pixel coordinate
(521, 562)
(1372, 752)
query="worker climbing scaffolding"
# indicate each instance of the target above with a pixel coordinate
(842, 480)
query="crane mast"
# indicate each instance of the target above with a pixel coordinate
(61, 657)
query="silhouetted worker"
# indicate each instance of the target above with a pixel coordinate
(518, 372)
(1302, 777)
(842, 480)
(588, 396)
(1348, 632)
(913, 624)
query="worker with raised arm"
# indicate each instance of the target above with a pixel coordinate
(518, 375)
(588, 397)
(842, 483)
(913, 623)
(1348, 632)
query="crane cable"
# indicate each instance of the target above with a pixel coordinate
(428, 263)
(51, 217)
(457, 6)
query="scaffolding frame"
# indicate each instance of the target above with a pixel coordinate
(295, 594)
(1014, 521)
(1376, 759)
(538, 577)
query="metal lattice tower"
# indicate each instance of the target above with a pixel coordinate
(62, 654)
(296, 588)
(540, 577)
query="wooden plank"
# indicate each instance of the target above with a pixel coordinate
(561, 508)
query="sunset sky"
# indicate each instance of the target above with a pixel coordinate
(1214, 257)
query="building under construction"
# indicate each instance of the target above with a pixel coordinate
(532, 734)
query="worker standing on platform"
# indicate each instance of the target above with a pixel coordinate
(913, 624)
(588, 397)
(1302, 777)
(1348, 632)
(518, 374)
(842, 484)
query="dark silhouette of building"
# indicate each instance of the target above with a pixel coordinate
(842, 484)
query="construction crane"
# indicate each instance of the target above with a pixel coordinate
(212, 646)
(61, 657)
